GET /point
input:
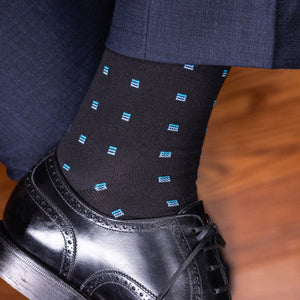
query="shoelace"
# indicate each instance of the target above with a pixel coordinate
(206, 233)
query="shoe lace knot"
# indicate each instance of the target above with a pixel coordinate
(209, 238)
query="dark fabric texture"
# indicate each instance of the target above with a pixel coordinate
(255, 33)
(133, 150)
(50, 50)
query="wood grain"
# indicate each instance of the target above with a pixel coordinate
(249, 178)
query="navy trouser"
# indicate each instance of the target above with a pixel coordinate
(50, 50)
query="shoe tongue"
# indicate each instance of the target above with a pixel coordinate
(195, 208)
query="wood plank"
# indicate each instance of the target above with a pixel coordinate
(250, 179)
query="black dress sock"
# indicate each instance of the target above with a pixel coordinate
(134, 147)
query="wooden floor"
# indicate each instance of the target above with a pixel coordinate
(249, 177)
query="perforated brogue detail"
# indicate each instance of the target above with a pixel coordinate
(109, 276)
(69, 253)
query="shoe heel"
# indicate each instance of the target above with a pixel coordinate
(28, 277)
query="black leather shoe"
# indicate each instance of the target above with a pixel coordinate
(53, 246)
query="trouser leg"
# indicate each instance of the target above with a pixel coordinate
(49, 53)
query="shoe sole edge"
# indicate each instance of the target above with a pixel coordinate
(28, 277)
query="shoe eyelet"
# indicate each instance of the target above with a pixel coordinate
(215, 291)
